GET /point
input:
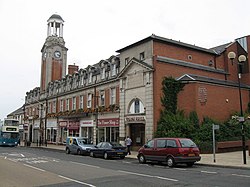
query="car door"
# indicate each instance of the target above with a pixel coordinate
(172, 148)
(98, 150)
(159, 153)
(74, 146)
(148, 150)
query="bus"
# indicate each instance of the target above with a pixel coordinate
(9, 133)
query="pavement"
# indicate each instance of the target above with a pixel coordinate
(229, 159)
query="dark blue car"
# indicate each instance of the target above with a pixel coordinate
(109, 150)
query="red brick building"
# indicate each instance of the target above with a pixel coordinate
(121, 95)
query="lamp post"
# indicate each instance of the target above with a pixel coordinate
(241, 60)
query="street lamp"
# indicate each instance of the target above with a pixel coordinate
(241, 60)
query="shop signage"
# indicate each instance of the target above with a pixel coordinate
(135, 119)
(74, 125)
(109, 122)
(63, 123)
(86, 123)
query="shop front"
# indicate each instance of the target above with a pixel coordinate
(36, 132)
(108, 130)
(135, 128)
(51, 131)
(87, 129)
(63, 132)
(73, 128)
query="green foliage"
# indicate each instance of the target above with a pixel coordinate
(174, 123)
(170, 90)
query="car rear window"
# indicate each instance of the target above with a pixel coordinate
(187, 143)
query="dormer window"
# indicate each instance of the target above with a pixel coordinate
(103, 73)
(90, 77)
(113, 69)
(142, 56)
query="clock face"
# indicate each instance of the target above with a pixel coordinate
(57, 54)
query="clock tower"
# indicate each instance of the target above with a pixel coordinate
(54, 53)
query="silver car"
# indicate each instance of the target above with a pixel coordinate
(78, 145)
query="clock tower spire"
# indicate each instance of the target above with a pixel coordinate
(54, 53)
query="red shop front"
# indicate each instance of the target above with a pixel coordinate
(108, 130)
(73, 128)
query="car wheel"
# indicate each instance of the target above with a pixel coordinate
(91, 154)
(122, 157)
(105, 156)
(67, 150)
(78, 151)
(170, 161)
(190, 164)
(141, 159)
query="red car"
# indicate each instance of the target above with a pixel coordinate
(170, 150)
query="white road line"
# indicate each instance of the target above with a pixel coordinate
(34, 167)
(76, 181)
(181, 169)
(241, 175)
(209, 172)
(126, 162)
(145, 175)
(85, 164)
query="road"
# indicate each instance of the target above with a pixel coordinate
(24, 166)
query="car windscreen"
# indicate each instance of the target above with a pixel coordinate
(83, 141)
(187, 143)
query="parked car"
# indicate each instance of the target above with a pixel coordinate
(78, 145)
(170, 150)
(109, 150)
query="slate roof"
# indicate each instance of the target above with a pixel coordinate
(166, 40)
(220, 49)
(199, 78)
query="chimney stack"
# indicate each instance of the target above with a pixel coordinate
(72, 69)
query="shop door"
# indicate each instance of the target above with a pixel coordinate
(137, 134)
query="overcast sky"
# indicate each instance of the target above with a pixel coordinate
(94, 30)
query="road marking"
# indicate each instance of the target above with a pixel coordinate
(73, 180)
(34, 167)
(209, 172)
(85, 164)
(241, 175)
(145, 175)
(126, 162)
(181, 169)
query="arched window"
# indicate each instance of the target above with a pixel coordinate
(136, 107)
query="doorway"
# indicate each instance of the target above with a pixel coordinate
(137, 133)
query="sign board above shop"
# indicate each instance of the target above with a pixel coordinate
(109, 122)
(132, 119)
(86, 123)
